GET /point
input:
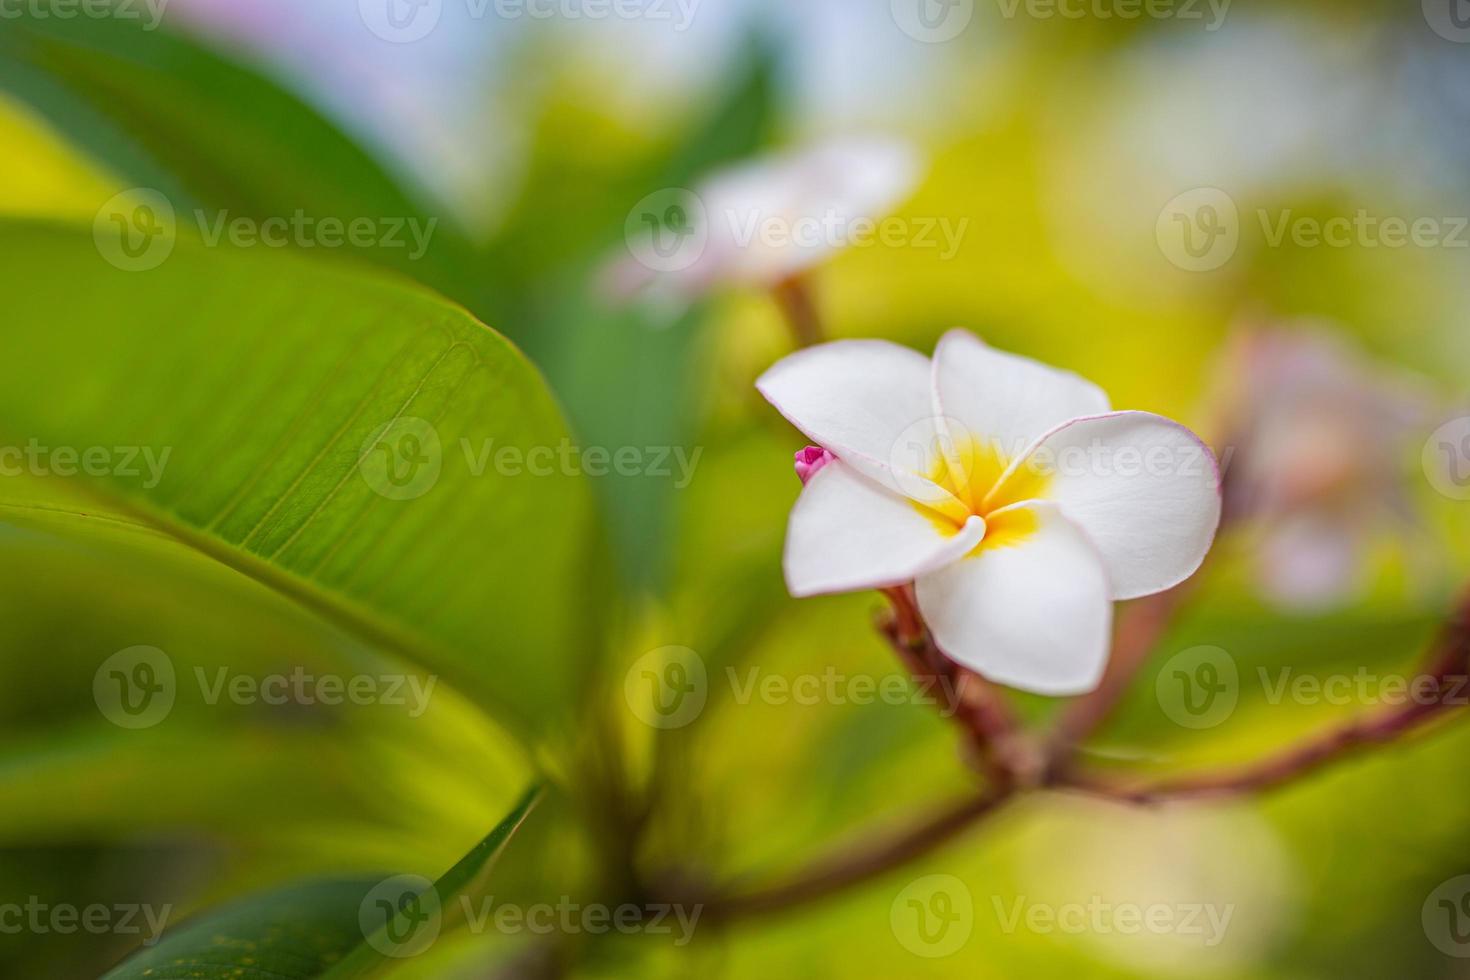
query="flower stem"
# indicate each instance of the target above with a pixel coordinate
(1449, 660)
(794, 296)
(996, 741)
(863, 863)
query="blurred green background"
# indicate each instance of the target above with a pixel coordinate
(1063, 143)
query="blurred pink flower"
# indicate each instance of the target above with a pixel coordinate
(1321, 435)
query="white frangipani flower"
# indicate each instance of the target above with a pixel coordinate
(1007, 491)
(763, 222)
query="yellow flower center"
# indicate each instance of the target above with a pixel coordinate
(972, 470)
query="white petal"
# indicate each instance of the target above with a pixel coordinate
(868, 402)
(1145, 490)
(847, 533)
(1007, 398)
(1033, 613)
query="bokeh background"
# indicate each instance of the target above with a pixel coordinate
(1068, 149)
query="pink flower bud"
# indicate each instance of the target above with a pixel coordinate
(809, 460)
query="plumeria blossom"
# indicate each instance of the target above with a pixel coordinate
(1012, 497)
(766, 221)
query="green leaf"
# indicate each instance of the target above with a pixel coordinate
(319, 929)
(339, 438)
(164, 112)
(407, 932)
(69, 772)
(291, 934)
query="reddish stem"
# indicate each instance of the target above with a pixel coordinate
(998, 744)
(1448, 661)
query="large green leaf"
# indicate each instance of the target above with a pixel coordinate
(322, 929)
(164, 112)
(289, 397)
(337, 770)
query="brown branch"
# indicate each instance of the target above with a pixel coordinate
(1273, 771)
(992, 730)
(862, 863)
(1442, 682)
(1000, 748)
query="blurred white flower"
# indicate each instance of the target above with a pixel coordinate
(1171, 891)
(765, 221)
(1018, 503)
